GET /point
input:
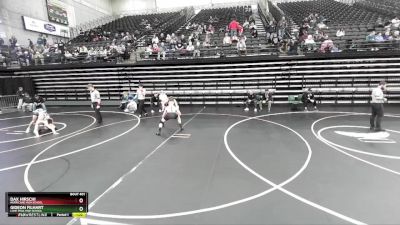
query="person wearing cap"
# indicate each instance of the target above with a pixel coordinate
(95, 102)
(377, 100)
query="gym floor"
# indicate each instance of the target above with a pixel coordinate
(227, 167)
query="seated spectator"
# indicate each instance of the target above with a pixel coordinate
(233, 27)
(310, 43)
(322, 25)
(227, 41)
(183, 40)
(251, 99)
(371, 37)
(180, 48)
(379, 22)
(240, 30)
(190, 48)
(252, 26)
(101, 53)
(27, 57)
(326, 46)
(254, 33)
(308, 97)
(211, 29)
(38, 56)
(196, 51)
(174, 39)
(340, 33)
(92, 55)
(241, 47)
(246, 24)
(168, 39)
(387, 37)
(395, 23)
(68, 56)
(82, 49)
(148, 51)
(154, 40)
(379, 37)
(162, 38)
(161, 51)
(2, 59)
(207, 41)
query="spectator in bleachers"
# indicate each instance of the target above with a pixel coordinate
(190, 49)
(227, 41)
(2, 59)
(211, 29)
(387, 37)
(39, 40)
(340, 33)
(161, 51)
(207, 40)
(180, 48)
(30, 44)
(148, 51)
(395, 23)
(196, 51)
(154, 40)
(82, 49)
(168, 39)
(162, 38)
(233, 27)
(13, 42)
(241, 47)
(183, 40)
(326, 46)
(1, 41)
(379, 37)
(310, 43)
(254, 33)
(379, 22)
(27, 58)
(92, 55)
(38, 56)
(246, 24)
(371, 40)
(68, 56)
(102, 53)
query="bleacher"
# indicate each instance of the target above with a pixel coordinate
(387, 7)
(356, 21)
(347, 80)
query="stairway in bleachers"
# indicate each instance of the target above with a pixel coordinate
(335, 80)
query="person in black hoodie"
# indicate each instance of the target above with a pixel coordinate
(308, 97)
(251, 99)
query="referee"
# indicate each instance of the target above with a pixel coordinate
(377, 107)
(96, 100)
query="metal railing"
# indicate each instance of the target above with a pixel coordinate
(8, 101)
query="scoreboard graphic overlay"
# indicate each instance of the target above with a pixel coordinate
(47, 204)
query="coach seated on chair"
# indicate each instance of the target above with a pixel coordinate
(251, 99)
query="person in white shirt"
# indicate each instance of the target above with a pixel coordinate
(141, 96)
(171, 112)
(396, 22)
(95, 102)
(227, 40)
(377, 100)
(340, 33)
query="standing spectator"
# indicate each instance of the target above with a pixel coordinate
(395, 23)
(233, 27)
(20, 94)
(31, 45)
(269, 98)
(141, 95)
(95, 102)
(40, 40)
(1, 41)
(13, 42)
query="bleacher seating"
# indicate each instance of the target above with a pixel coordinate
(334, 80)
(387, 7)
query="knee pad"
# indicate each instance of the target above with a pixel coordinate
(161, 124)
